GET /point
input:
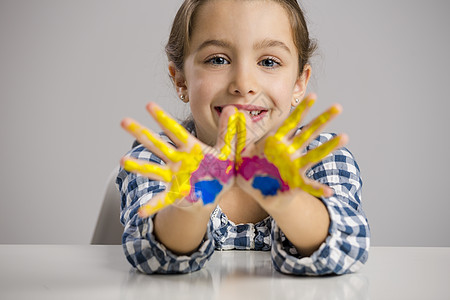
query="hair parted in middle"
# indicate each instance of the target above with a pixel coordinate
(182, 27)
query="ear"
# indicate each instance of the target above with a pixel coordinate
(179, 81)
(301, 84)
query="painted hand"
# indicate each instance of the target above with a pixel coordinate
(278, 163)
(194, 171)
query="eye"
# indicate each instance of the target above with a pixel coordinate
(217, 60)
(270, 63)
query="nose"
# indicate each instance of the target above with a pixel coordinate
(243, 81)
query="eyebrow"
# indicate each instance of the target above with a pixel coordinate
(271, 44)
(217, 43)
(267, 43)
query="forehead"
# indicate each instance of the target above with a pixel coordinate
(242, 22)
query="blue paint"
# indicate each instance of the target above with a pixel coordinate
(207, 190)
(267, 185)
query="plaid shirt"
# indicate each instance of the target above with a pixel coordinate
(345, 249)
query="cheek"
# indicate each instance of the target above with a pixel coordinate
(282, 95)
(200, 87)
(201, 95)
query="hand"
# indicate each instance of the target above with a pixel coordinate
(193, 171)
(277, 163)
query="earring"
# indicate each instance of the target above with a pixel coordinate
(297, 100)
(182, 97)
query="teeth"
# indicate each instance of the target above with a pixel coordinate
(254, 112)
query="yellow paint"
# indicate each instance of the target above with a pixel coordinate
(236, 124)
(171, 125)
(279, 153)
(166, 149)
(229, 136)
(228, 170)
(294, 118)
(300, 140)
(179, 183)
(241, 137)
(317, 154)
(148, 209)
(188, 162)
(147, 169)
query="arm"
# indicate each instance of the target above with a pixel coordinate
(182, 229)
(346, 245)
(280, 181)
(142, 249)
(195, 175)
(304, 220)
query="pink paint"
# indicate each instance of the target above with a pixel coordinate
(211, 168)
(250, 167)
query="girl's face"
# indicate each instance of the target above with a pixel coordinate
(241, 53)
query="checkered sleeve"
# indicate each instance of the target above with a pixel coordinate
(141, 247)
(346, 248)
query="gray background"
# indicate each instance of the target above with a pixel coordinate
(71, 70)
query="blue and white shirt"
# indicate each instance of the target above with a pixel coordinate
(345, 249)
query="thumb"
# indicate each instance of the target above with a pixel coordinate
(226, 142)
(241, 135)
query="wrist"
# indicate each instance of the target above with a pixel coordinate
(182, 229)
(304, 220)
(187, 208)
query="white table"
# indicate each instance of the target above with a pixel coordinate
(101, 272)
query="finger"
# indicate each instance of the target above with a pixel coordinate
(154, 205)
(313, 129)
(317, 154)
(177, 133)
(241, 135)
(150, 170)
(292, 121)
(227, 132)
(316, 188)
(150, 140)
(177, 191)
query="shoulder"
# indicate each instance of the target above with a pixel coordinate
(338, 164)
(340, 156)
(319, 140)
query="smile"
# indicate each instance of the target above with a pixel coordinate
(256, 113)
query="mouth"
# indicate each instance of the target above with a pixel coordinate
(255, 113)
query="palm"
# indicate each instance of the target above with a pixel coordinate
(277, 164)
(193, 171)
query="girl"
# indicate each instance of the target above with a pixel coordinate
(241, 176)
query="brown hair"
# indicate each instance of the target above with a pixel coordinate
(181, 32)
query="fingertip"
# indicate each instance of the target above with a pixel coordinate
(343, 139)
(227, 118)
(328, 192)
(312, 96)
(151, 106)
(147, 210)
(224, 125)
(324, 191)
(336, 108)
(125, 122)
(142, 213)
(122, 161)
(228, 111)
